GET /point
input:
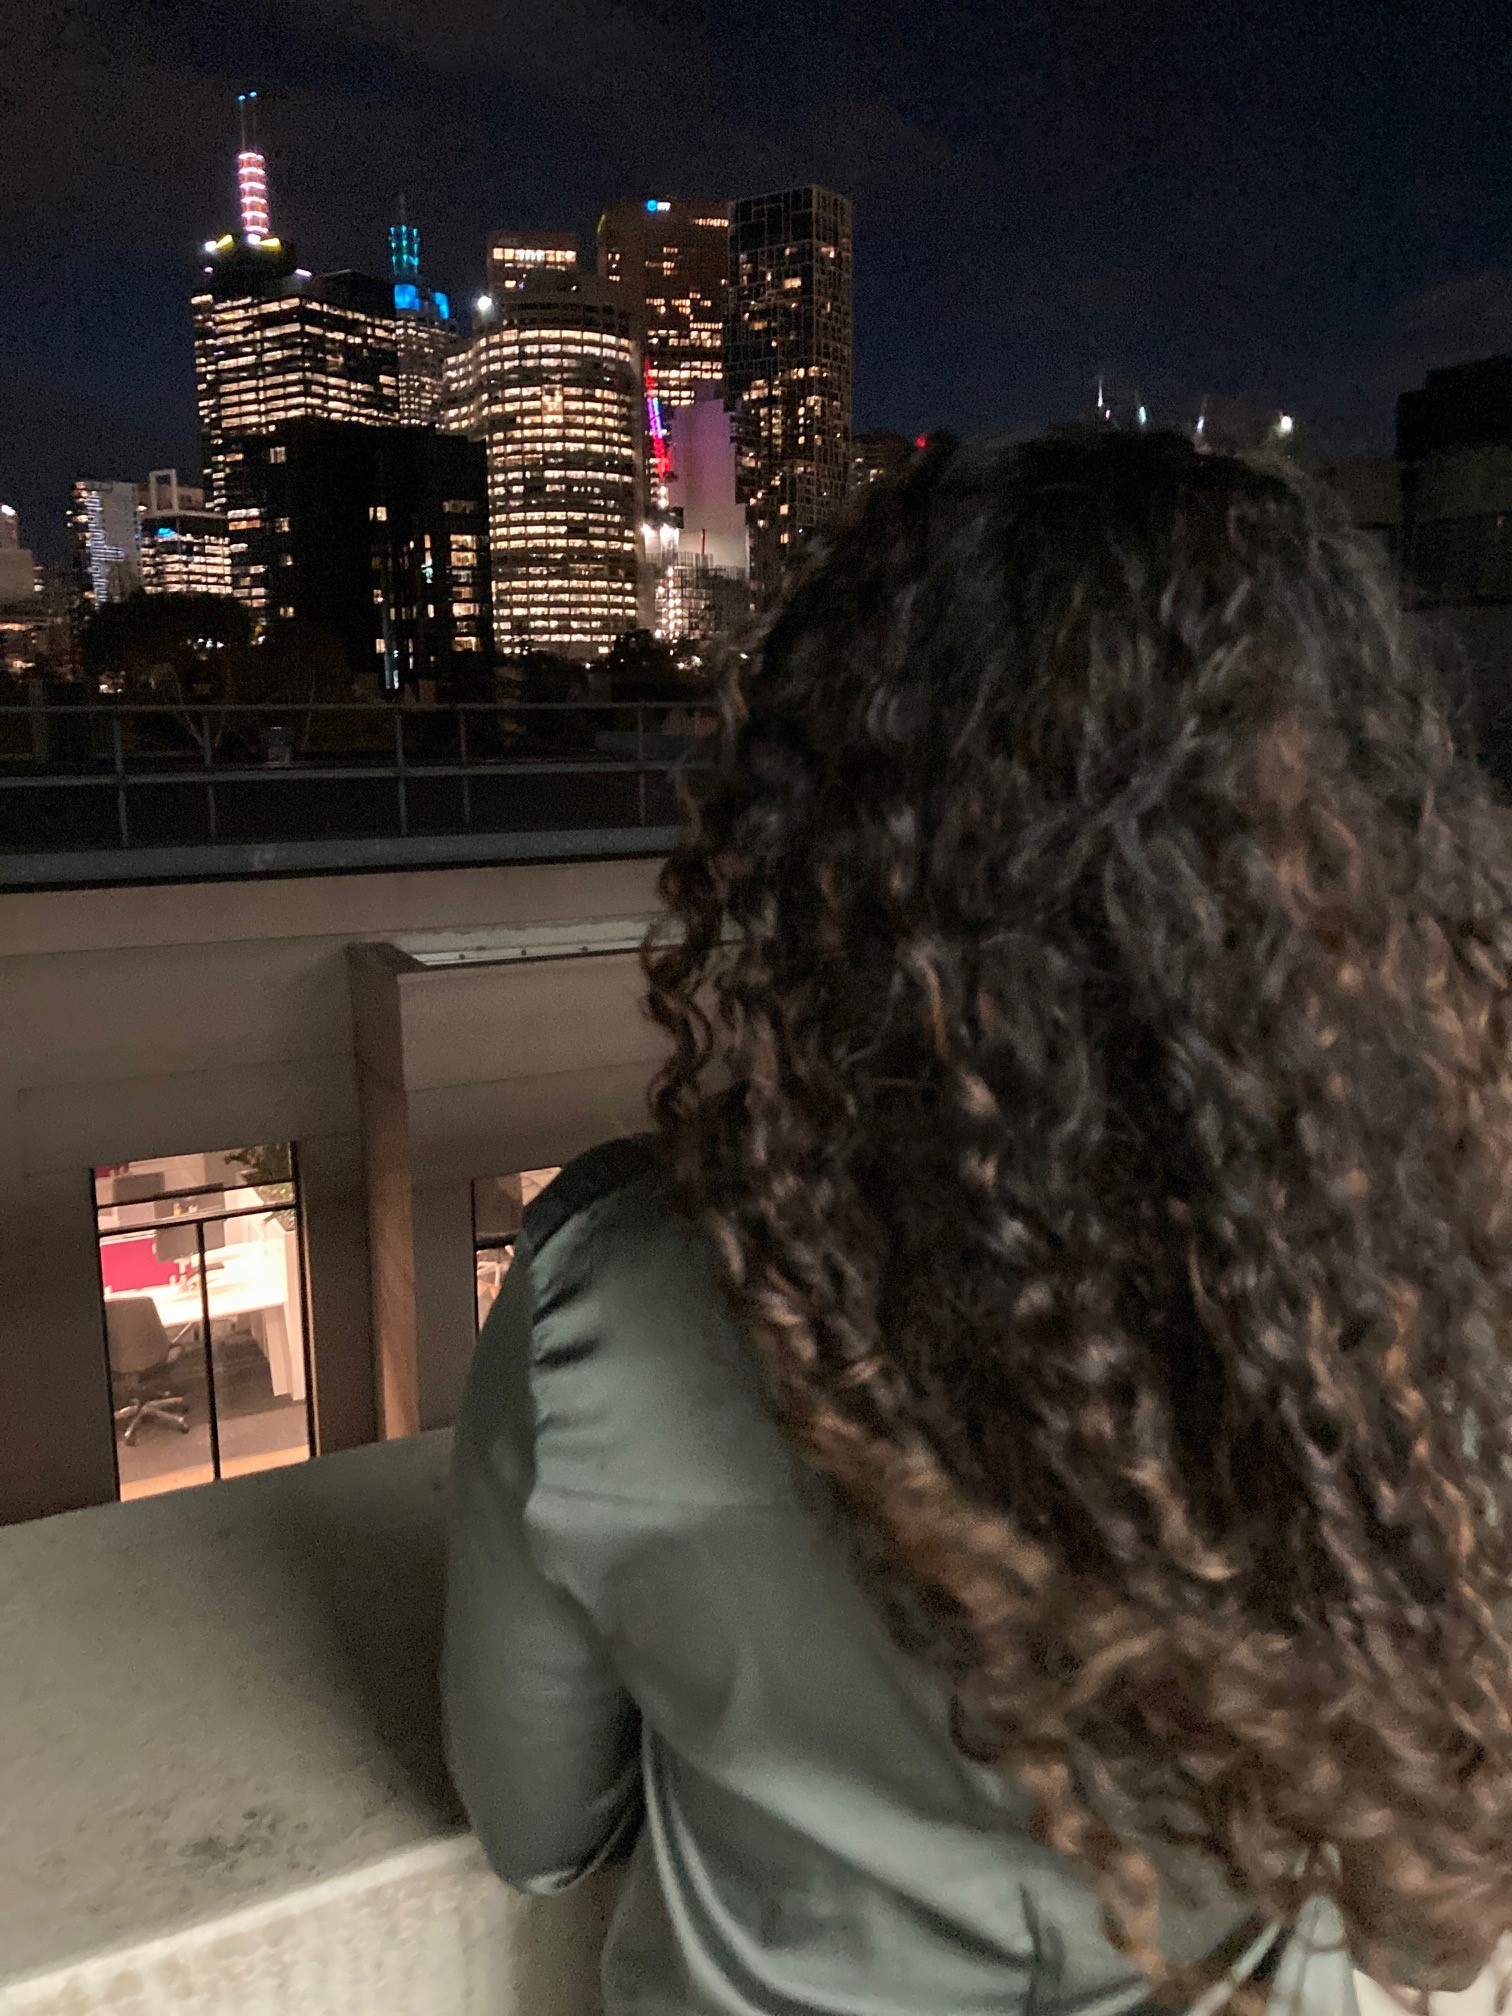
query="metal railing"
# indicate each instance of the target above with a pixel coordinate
(260, 770)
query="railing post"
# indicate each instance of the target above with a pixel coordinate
(209, 781)
(640, 758)
(120, 771)
(399, 769)
(466, 780)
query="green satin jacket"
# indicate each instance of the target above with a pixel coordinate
(655, 1652)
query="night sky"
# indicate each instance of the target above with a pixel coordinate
(1301, 205)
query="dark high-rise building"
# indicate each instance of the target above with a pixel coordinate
(1442, 509)
(1454, 449)
(378, 537)
(879, 455)
(551, 387)
(517, 256)
(788, 357)
(670, 260)
(1465, 406)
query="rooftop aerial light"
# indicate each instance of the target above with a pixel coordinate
(251, 174)
(1285, 425)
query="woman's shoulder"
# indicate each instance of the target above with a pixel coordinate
(598, 1173)
(637, 1361)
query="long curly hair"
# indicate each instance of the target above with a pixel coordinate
(1089, 1003)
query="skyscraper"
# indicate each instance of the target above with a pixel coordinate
(878, 456)
(274, 345)
(551, 385)
(671, 261)
(517, 256)
(103, 521)
(425, 333)
(184, 546)
(21, 608)
(18, 570)
(704, 587)
(311, 350)
(377, 538)
(788, 358)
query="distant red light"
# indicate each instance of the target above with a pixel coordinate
(921, 440)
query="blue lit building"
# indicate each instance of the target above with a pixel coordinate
(424, 331)
(185, 548)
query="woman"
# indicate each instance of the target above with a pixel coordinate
(1000, 1501)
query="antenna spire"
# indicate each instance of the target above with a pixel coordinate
(404, 250)
(251, 174)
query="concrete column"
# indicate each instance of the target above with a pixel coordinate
(424, 1297)
(391, 1248)
(473, 1069)
(56, 1434)
(446, 1298)
(339, 1289)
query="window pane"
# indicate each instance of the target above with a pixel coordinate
(498, 1205)
(192, 1186)
(492, 1264)
(257, 1345)
(159, 1394)
(237, 1400)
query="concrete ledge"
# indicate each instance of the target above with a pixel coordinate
(429, 1932)
(97, 867)
(223, 1786)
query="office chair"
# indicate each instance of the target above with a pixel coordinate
(140, 1352)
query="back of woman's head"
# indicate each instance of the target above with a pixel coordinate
(1107, 954)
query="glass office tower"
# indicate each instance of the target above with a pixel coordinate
(671, 262)
(788, 363)
(103, 521)
(552, 387)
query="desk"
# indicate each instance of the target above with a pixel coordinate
(254, 1281)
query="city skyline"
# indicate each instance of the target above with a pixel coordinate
(1301, 209)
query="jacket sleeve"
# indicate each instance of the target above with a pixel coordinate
(542, 1740)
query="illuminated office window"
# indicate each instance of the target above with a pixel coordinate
(498, 1207)
(204, 1316)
